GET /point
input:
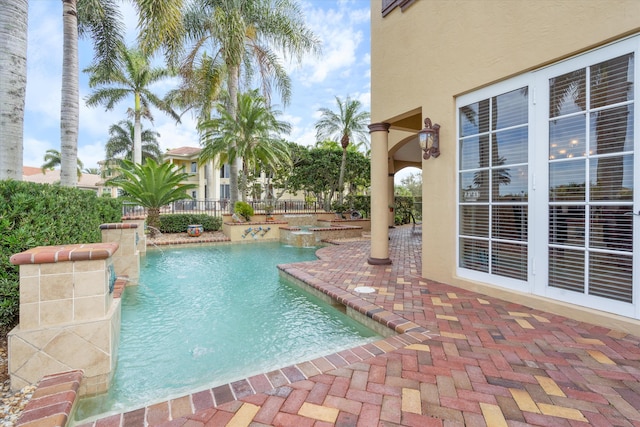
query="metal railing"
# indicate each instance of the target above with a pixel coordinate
(220, 207)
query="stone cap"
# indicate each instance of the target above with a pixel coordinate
(118, 226)
(53, 400)
(78, 252)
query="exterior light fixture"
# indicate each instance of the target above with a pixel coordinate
(429, 138)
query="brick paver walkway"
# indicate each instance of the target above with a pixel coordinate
(462, 359)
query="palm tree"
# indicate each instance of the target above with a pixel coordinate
(100, 19)
(346, 124)
(133, 77)
(160, 24)
(247, 33)
(253, 135)
(152, 185)
(53, 159)
(120, 144)
(91, 171)
(13, 75)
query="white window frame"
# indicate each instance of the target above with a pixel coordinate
(482, 94)
(538, 179)
(541, 125)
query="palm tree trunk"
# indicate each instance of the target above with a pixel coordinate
(69, 110)
(153, 221)
(343, 165)
(13, 75)
(137, 132)
(234, 76)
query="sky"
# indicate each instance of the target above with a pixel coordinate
(342, 70)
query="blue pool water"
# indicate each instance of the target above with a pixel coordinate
(211, 315)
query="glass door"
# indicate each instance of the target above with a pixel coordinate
(591, 171)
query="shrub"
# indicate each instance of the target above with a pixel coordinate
(9, 304)
(42, 215)
(178, 223)
(243, 209)
(338, 207)
(361, 204)
(404, 209)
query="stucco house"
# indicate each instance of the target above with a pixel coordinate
(86, 181)
(529, 194)
(186, 158)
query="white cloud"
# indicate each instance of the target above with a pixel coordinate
(365, 100)
(90, 154)
(303, 135)
(174, 135)
(340, 41)
(292, 120)
(34, 151)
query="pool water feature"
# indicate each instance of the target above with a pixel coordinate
(303, 238)
(206, 316)
(313, 235)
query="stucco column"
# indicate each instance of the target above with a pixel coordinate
(379, 194)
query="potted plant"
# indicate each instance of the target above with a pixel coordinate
(268, 210)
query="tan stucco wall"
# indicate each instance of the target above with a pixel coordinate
(436, 50)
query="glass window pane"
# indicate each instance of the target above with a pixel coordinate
(510, 109)
(611, 227)
(510, 184)
(474, 186)
(474, 152)
(474, 254)
(567, 137)
(567, 225)
(610, 276)
(566, 269)
(567, 180)
(474, 221)
(510, 147)
(611, 178)
(474, 118)
(510, 222)
(611, 130)
(567, 93)
(611, 81)
(509, 260)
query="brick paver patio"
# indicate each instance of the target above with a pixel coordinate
(462, 359)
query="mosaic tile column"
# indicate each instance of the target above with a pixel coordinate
(69, 318)
(127, 259)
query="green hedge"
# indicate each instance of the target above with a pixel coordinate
(178, 223)
(42, 215)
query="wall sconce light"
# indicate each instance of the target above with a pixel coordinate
(429, 138)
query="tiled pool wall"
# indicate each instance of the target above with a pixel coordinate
(349, 306)
(371, 315)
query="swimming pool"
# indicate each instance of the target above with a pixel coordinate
(204, 316)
